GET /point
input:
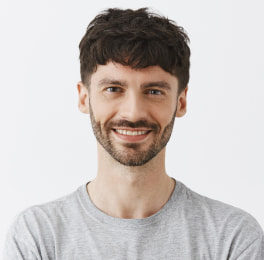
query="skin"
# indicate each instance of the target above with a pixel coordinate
(117, 94)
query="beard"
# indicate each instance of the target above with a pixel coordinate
(132, 154)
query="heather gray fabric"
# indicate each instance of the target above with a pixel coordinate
(189, 226)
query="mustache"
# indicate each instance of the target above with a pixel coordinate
(136, 124)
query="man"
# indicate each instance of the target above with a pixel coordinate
(134, 72)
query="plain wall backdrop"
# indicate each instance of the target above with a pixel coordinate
(47, 148)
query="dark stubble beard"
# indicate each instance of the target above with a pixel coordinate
(131, 155)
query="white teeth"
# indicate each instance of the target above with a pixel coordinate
(125, 132)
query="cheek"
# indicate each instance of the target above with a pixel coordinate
(163, 115)
(102, 111)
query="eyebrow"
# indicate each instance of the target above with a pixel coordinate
(123, 83)
(160, 84)
(107, 81)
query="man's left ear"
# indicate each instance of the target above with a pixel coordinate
(182, 103)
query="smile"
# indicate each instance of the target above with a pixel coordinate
(130, 133)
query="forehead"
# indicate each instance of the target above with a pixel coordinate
(115, 71)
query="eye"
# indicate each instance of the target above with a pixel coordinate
(113, 89)
(154, 92)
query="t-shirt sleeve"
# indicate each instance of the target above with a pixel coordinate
(16, 249)
(255, 251)
(20, 243)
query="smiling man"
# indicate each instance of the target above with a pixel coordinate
(134, 78)
(136, 110)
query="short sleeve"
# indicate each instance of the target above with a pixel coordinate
(255, 251)
(20, 243)
(16, 249)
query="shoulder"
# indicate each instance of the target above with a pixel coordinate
(222, 213)
(35, 229)
(229, 226)
(46, 216)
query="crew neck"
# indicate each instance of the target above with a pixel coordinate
(103, 218)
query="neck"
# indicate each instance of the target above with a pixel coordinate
(130, 192)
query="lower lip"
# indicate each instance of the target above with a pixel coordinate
(131, 138)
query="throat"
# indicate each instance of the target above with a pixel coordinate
(130, 201)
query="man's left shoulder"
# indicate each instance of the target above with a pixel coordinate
(236, 228)
(232, 231)
(223, 214)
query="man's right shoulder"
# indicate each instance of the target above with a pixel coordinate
(36, 225)
(60, 208)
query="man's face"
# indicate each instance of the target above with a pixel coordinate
(132, 111)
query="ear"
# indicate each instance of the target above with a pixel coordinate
(83, 103)
(182, 103)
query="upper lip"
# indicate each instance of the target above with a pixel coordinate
(131, 129)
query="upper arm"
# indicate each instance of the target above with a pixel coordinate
(254, 251)
(17, 249)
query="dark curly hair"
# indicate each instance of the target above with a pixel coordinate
(135, 38)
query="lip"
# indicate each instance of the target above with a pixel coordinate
(132, 138)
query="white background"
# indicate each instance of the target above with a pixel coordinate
(47, 148)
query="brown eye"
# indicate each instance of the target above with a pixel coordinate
(113, 89)
(154, 92)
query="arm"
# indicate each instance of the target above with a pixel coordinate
(16, 249)
(255, 251)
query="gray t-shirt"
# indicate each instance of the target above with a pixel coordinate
(189, 226)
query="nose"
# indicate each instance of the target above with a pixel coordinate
(133, 107)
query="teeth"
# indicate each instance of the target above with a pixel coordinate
(125, 132)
